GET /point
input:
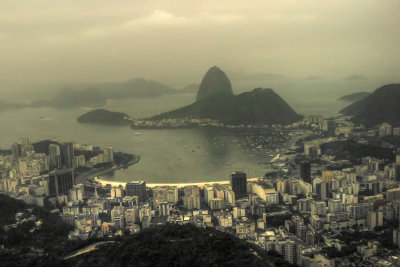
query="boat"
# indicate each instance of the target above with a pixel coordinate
(137, 133)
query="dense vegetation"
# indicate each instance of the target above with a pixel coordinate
(175, 245)
(353, 151)
(354, 97)
(43, 146)
(261, 106)
(102, 116)
(29, 244)
(381, 106)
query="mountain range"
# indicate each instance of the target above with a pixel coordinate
(68, 98)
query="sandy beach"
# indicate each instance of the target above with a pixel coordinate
(200, 184)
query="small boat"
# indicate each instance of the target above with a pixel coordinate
(137, 133)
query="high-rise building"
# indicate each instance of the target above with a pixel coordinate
(116, 192)
(67, 154)
(164, 208)
(393, 194)
(54, 156)
(21, 148)
(61, 181)
(191, 199)
(397, 170)
(165, 194)
(208, 193)
(305, 171)
(330, 127)
(374, 218)
(320, 187)
(385, 129)
(217, 204)
(239, 184)
(131, 215)
(137, 188)
(396, 131)
(318, 208)
(335, 205)
(108, 154)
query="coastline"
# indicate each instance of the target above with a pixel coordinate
(179, 185)
(86, 177)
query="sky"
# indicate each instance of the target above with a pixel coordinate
(46, 42)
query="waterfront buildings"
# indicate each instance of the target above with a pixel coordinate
(239, 184)
(136, 188)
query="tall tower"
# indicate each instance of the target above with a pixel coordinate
(330, 127)
(55, 156)
(61, 181)
(305, 171)
(136, 188)
(239, 184)
(67, 154)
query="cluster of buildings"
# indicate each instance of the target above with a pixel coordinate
(190, 122)
(303, 211)
(48, 176)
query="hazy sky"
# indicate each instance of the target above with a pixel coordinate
(57, 41)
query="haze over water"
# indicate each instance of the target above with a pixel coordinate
(185, 155)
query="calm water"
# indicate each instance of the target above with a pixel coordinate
(166, 155)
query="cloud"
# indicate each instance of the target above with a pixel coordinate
(158, 17)
(161, 17)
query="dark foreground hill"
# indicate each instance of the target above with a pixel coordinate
(260, 106)
(176, 245)
(103, 116)
(383, 105)
(354, 97)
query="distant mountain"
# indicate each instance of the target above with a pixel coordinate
(85, 94)
(214, 83)
(135, 88)
(68, 98)
(354, 97)
(7, 105)
(102, 116)
(190, 88)
(383, 105)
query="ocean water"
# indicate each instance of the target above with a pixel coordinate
(170, 156)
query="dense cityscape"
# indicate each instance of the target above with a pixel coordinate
(195, 134)
(314, 209)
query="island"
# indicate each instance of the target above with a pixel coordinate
(103, 116)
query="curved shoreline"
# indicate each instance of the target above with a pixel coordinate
(179, 185)
(86, 177)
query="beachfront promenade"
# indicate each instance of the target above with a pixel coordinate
(199, 184)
